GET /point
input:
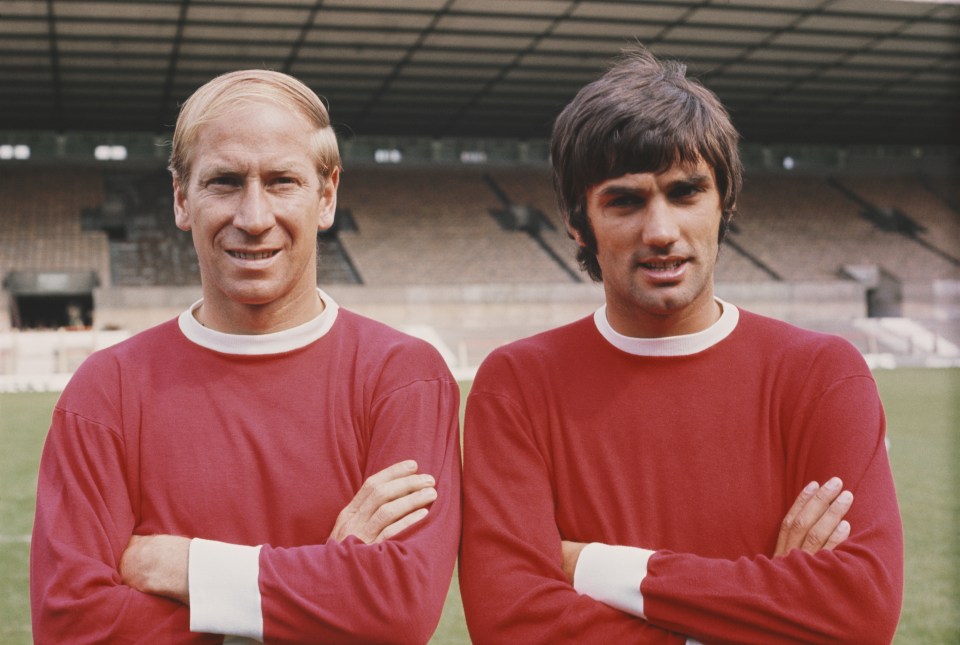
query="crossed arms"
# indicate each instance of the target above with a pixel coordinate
(326, 559)
(726, 560)
(613, 574)
(389, 502)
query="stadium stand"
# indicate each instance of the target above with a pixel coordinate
(531, 186)
(808, 230)
(476, 255)
(935, 225)
(437, 225)
(426, 225)
(146, 248)
(41, 223)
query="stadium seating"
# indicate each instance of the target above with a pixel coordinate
(428, 225)
(494, 231)
(40, 220)
(434, 226)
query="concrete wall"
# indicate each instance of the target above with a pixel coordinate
(467, 322)
(529, 305)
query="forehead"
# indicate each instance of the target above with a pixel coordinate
(699, 172)
(254, 132)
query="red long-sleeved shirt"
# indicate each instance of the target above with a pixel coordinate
(696, 455)
(162, 435)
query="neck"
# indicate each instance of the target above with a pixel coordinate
(695, 317)
(233, 317)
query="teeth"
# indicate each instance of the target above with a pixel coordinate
(661, 266)
(251, 256)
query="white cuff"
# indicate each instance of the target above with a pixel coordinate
(224, 582)
(612, 575)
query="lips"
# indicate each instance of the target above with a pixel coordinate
(252, 255)
(662, 265)
(668, 269)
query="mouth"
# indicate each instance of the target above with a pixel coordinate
(669, 264)
(252, 255)
(664, 270)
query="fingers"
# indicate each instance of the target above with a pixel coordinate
(403, 523)
(390, 514)
(814, 520)
(841, 533)
(789, 526)
(373, 485)
(387, 503)
(825, 529)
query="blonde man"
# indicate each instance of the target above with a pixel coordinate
(267, 466)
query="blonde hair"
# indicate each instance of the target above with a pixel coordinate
(229, 91)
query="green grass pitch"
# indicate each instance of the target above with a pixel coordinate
(923, 410)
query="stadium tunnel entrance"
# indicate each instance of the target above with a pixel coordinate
(884, 291)
(51, 299)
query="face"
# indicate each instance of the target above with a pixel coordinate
(254, 203)
(657, 245)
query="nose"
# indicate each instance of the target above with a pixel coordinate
(253, 214)
(660, 228)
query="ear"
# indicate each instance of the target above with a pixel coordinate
(181, 214)
(328, 200)
(574, 233)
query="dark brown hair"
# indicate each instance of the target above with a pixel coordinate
(642, 115)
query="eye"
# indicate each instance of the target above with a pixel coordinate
(284, 182)
(625, 201)
(223, 181)
(685, 191)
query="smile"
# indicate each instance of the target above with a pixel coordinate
(664, 265)
(664, 271)
(259, 255)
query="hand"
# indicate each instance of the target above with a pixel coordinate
(570, 556)
(815, 521)
(387, 503)
(157, 564)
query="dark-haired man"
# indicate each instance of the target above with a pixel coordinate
(650, 473)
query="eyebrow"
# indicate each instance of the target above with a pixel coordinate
(214, 171)
(696, 179)
(230, 169)
(615, 189)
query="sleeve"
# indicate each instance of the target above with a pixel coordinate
(511, 581)
(224, 588)
(850, 594)
(392, 592)
(612, 574)
(84, 520)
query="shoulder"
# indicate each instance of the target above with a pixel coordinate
(784, 342)
(137, 349)
(775, 330)
(384, 348)
(544, 353)
(95, 388)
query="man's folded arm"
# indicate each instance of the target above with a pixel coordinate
(848, 592)
(512, 584)
(383, 573)
(83, 523)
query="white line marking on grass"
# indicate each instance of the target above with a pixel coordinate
(8, 539)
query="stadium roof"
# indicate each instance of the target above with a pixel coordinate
(810, 71)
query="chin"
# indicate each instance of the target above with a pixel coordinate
(252, 295)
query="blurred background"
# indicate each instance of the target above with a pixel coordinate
(849, 221)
